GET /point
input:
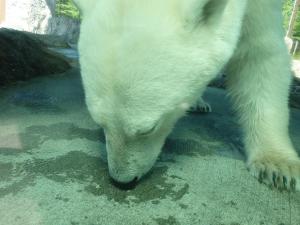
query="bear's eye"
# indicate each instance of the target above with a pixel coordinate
(148, 131)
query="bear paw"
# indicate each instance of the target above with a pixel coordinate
(200, 107)
(277, 172)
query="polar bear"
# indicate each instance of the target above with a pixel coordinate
(144, 64)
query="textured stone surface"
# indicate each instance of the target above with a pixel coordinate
(38, 16)
(30, 15)
(53, 170)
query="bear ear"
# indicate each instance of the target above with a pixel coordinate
(85, 6)
(208, 12)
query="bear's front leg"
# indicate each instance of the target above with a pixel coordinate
(258, 81)
(260, 94)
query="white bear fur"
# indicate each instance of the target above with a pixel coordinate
(144, 63)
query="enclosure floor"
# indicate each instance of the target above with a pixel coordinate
(53, 170)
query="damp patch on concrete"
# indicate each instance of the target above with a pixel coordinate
(168, 221)
(34, 136)
(90, 171)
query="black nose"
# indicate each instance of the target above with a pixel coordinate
(125, 186)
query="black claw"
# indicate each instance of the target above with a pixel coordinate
(293, 184)
(274, 178)
(285, 182)
(261, 176)
(265, 174)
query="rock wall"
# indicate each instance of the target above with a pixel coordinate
(62, 25)
(38, 16)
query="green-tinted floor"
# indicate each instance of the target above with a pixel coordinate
(52, 172)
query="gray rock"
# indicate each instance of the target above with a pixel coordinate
(23, 57)
(39, 16)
